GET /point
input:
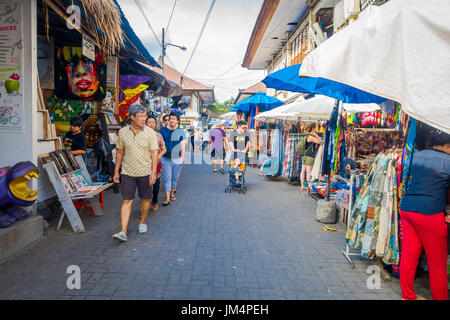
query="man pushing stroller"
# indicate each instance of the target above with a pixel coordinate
(239, 143)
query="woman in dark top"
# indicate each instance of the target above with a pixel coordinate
(423, 218)
(312, 140)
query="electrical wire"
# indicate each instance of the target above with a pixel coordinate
(151, 28)
(220, 76)
(148, 22)
(171, 14)
(200, 35)
(230, 78)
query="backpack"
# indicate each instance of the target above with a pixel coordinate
(102, 148)
(301, 147)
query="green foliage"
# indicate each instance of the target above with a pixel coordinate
(221, 108)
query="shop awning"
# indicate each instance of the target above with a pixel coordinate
(400, 51)
(288, 79)
(132, 67)
(168, 88)
(317, 108)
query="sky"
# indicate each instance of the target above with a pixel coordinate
(218, 57)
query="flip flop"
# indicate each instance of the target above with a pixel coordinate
(166, 203)
(328, 228)
(172, 198)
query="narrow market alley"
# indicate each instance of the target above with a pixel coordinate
(207, 244)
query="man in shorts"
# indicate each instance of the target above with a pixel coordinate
(218, 140)
(137, 153)
(239, 142)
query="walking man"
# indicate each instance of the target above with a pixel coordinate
(172, 161)
(137, 152)
(218, 139)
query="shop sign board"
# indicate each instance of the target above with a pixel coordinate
(11, 66)
(111, 71)
(88, 47)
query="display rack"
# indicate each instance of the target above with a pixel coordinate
(346, 252)
(66, 198)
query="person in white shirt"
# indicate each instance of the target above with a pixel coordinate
(198, 135)
(205, 138)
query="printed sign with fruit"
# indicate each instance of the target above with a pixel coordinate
(13, 83)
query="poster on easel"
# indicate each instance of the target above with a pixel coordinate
(11, 78)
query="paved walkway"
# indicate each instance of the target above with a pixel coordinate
(206, 245)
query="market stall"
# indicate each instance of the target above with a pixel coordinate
(403, 41)
(79, 76)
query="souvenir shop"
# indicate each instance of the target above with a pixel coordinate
(92, 73)
(362, 163)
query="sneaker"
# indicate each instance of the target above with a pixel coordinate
(215, 172)
(142, 228)
(121, 236)
(221, 170)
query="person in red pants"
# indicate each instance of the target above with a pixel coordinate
(423, 214)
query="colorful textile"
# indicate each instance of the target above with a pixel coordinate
(374, 220)
(408, 153)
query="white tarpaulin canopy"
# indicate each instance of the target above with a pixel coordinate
(276, 113)
(400, 51)
(228, 116)
(316, 108)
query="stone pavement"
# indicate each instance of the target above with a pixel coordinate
(206, 245)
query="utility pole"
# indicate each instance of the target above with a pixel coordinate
(163, 51)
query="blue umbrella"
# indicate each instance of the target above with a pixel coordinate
(288, 79)
(260, 99)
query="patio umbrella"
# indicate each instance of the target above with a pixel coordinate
(398, 50)
(260, 99)
(288, 79)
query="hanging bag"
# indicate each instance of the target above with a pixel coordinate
(302, 151)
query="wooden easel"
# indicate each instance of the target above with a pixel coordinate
(66, 199)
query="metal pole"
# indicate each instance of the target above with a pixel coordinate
(163, 51)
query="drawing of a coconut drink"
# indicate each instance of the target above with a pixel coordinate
(13, 83)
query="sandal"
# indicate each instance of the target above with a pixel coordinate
(166, 203)
(172, 198)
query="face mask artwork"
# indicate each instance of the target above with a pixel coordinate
(77, 77)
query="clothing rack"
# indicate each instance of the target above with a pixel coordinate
(346, 252)
(376, 129)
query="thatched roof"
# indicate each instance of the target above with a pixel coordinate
(103, 21)
(100, 19)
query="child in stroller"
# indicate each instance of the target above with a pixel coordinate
(239, 142)
(236, 178)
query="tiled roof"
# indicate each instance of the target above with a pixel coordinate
(259, 87)
(175, 76)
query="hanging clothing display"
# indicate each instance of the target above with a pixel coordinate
(374, 218)
(315, 172)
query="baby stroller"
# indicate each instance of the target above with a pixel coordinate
(234, 183)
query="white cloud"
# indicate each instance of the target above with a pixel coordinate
(223, 43)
